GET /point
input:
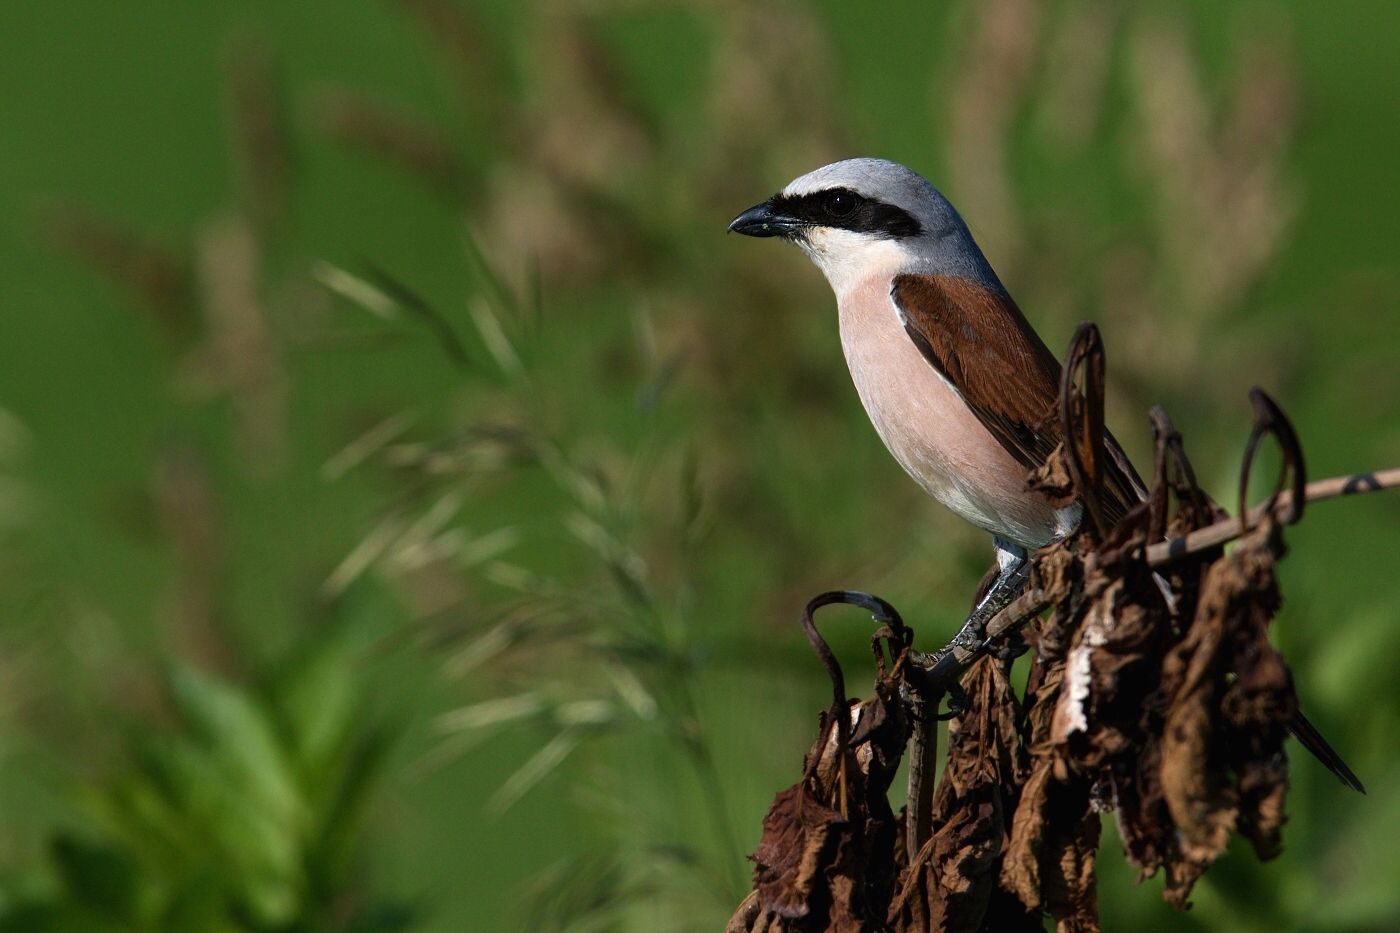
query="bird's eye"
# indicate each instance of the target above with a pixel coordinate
(840, 203)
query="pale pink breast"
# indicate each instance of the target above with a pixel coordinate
(930, 430)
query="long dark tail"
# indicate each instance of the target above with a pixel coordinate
(1313, 741)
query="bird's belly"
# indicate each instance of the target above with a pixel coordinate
(930, 430)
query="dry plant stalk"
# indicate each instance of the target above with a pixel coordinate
(1154, 695)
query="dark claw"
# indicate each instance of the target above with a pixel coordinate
(958, 703)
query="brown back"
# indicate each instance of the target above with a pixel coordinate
(979, 341)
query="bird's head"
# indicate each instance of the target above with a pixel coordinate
(865, 217)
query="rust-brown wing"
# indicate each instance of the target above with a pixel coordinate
(980, 342)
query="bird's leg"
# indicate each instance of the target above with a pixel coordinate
(1015, 572)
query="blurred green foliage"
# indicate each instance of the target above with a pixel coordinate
(434, 293)
(244, 814)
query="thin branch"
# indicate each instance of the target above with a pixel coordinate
(1033, 602)
(1229, 529)
(923, 761)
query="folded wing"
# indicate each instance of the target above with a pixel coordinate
(981, 343)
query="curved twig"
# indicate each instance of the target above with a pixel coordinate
(1081, 415)
(1169, 441)
(1270, 419)
(839, 716)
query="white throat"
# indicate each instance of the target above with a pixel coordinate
(851, 259)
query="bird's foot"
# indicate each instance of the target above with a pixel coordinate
(972, 637)
(958, 702)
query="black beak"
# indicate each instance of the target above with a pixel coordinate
(763, 220)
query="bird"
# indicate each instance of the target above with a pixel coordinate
(959, 386)
(957, 383)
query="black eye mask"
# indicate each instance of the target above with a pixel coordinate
(846, 210)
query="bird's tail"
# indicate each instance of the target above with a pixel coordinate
(1306, 733)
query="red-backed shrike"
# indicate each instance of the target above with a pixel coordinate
(959, 386)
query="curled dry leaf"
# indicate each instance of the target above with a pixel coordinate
(1114, 655)
(803, 845)
(1053, 480)
(1112, 666)
(953, 880)
(1228, 700)
(1049, 861)
(826, 858)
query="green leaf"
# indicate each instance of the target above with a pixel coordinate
(100, 877)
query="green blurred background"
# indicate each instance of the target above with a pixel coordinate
(407, 492)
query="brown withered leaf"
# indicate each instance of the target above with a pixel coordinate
(950, 885)
(1099, 708)
(1222, 761)
(1057, 571)
(1053, 480)
(749, 916)
(1051, 640)
(1049, 864)
(1020, 871)
(1194, 789)
(880, 736)
(1068, 881)
(801, 840)
(1113, 667)
(1049, 860)
(984, 742)
(826, 859)
(951, 882)
(1144, 822)
(1261, 702)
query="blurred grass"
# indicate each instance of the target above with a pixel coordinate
(607, 147)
